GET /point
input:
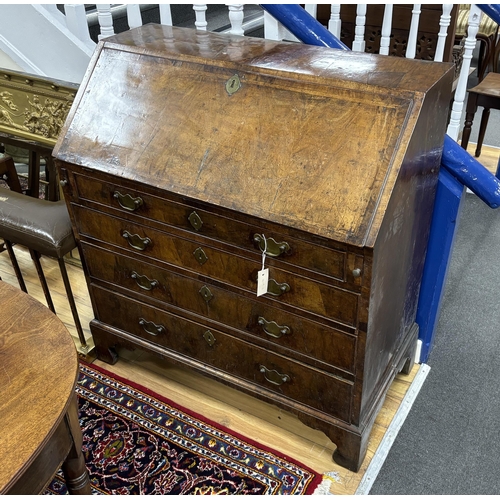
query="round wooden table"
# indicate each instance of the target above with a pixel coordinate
(38, 406)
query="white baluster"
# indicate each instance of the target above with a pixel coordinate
(359, 33)
(444, 22)
(165, 14)
(134, 17)
(312, 9)
(76, 21)
(52, 8)
(411, 47)
(236, 19)
(334, 23)
(201, 20)
(470, 44)
(385, 39)
(105, 20)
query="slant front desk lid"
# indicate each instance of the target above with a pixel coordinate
(309, 137)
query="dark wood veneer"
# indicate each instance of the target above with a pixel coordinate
(334, 153)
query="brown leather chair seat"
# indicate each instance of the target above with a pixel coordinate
(37, 224)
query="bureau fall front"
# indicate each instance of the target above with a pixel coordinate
(191, 161)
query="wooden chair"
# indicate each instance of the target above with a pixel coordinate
(44, 227)
(486, 94)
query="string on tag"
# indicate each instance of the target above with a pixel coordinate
(264, 252)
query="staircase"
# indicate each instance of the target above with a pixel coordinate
(57, 42)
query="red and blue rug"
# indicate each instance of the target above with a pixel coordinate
(138, 443)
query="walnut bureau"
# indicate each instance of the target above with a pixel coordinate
(187, 155)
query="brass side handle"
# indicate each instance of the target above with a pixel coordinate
(128, 202)
(271, 246)
(135, 241)
(151, 328)
(272, 328)
(143, 281)
(277, 289)
(273, 376)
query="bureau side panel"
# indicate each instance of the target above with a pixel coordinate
(400, 248)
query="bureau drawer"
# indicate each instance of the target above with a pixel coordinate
(306, 294)
(275, 373)
(284, 330)
(281, 248)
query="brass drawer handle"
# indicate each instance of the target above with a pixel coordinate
(273, 376)
(143, 281)
(151, 328)
(127, 202)
(135, 241)
(277, 289)
(272, 247)
(272, 328)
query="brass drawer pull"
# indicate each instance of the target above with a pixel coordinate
(127, 202)
(272, 247)
(143, 281)
(272, 328)
(151, 328)
(273, 376)
(195, 221)
(277, 289)
(135, 241)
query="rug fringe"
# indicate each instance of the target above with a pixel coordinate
(323, 488)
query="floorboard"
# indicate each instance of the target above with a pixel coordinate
(259, 421)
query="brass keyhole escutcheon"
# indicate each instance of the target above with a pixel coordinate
(195, 221)
(206, 293)
(209, 337)
(233, 84)
(200, 255)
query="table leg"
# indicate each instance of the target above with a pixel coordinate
(34, 174)
(469, 117)
(482, 130)
(74, 469)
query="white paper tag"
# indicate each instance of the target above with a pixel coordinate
(262, 282)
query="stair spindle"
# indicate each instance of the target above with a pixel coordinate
(236, 19)
(201, 19)
(105, 20)
(359, 37)
(385, 39)
(411, 48)
(470, 44)
(134, 17)
(334, 23)
(444, 22)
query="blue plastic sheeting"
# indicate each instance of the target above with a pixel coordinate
(442, 236)
(470, 172)
(304, 27)
(491, 10)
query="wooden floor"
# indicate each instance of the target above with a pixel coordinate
(259, 421)
(489, 156)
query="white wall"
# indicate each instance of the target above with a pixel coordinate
(6, 62)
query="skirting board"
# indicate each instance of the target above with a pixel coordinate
(392, 431)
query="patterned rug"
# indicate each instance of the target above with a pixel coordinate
(138, 443)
